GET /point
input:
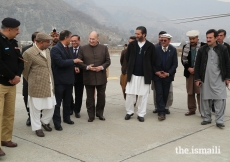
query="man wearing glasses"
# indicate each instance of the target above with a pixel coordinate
(164, 71)
(140, 58)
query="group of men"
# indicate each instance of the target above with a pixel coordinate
(50, 70)
(206, 68)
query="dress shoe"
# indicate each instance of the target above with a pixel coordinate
(9, 144)
(40, 133)
(2, 153)
(58, 128)
(90, 119)
(47, 127)
(69, 122)
(71, 112)
(100, 117)
(161, 117)
(220, 125)
(141, 119)
(205, 122)
(77, 115)
(127, 116)
(28, 123)
(155, 111)
(190, 113)
(167, 111)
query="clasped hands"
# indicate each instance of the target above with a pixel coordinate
(162, 74)
(96, 69)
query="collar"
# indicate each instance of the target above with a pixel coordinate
(164, 47)
(63, 45)
(39, 48)
(76, 48)
(220, 43)
(141, 44)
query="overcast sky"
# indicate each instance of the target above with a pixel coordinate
(175, 8)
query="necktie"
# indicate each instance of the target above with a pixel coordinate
(75, 52)
(67, 50)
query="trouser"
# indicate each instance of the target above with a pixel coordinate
(192, 90)
(7, 109)
(62, 93)
(78, 90)
(123, 82)
(90, 100)
(219, 104)
(170, 96)
(162, 91)
(36, 121)
(142, 105)
(191, 99)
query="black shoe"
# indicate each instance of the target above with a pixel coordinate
(220, 125)
(90, 119)
(47, 127)
(77, 115)
(28, 123)
(167, 111)
(141, 119)
(58, 128)
(205, 122)
(71, 112)
(100, 117)
(127, 116)
(155, 111)
(68, 122)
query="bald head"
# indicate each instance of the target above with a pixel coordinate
(93, 38)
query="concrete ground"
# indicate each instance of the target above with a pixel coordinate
(118, 140)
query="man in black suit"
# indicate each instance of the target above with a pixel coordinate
(63, 73)
(78, 83)
(25, 83)
(164, 70)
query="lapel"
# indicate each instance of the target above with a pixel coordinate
(37, 52)
(67, 53)
(169, 52)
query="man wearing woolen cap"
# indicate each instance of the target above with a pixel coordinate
(38, 74)
(188, 59)
(11, 67)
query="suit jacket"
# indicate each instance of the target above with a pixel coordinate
(62, 65)
(25, 83)
(228, 47)
(170, 65)
(97, 55)
(37, 72)
(78, 76)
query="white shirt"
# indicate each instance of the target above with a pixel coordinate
(165, 48)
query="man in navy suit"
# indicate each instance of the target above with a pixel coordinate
(63, 73)
(164, 69)
(78, 83)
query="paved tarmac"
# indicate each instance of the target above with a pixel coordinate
(118, 140)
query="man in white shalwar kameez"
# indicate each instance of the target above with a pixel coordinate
(38, 73)
(140, 60)
(212, 74)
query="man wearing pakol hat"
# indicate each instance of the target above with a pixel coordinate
(170, 97)
(164, 70)
(140, 60)
(38, 74)
(11, 67)
(188, 59)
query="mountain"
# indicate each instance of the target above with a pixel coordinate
(43, 15)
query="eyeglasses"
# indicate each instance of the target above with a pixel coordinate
(164, 40)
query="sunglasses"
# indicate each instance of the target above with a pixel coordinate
(164, 40)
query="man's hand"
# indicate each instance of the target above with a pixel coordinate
(77, 60)
(90, 67)
(164, 75)
(77, 70)
(159, 73)
(191, 70)
(198, 83)
(98, 68)
(227, 82)
(16, 80)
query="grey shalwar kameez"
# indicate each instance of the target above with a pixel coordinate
(213, 88)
